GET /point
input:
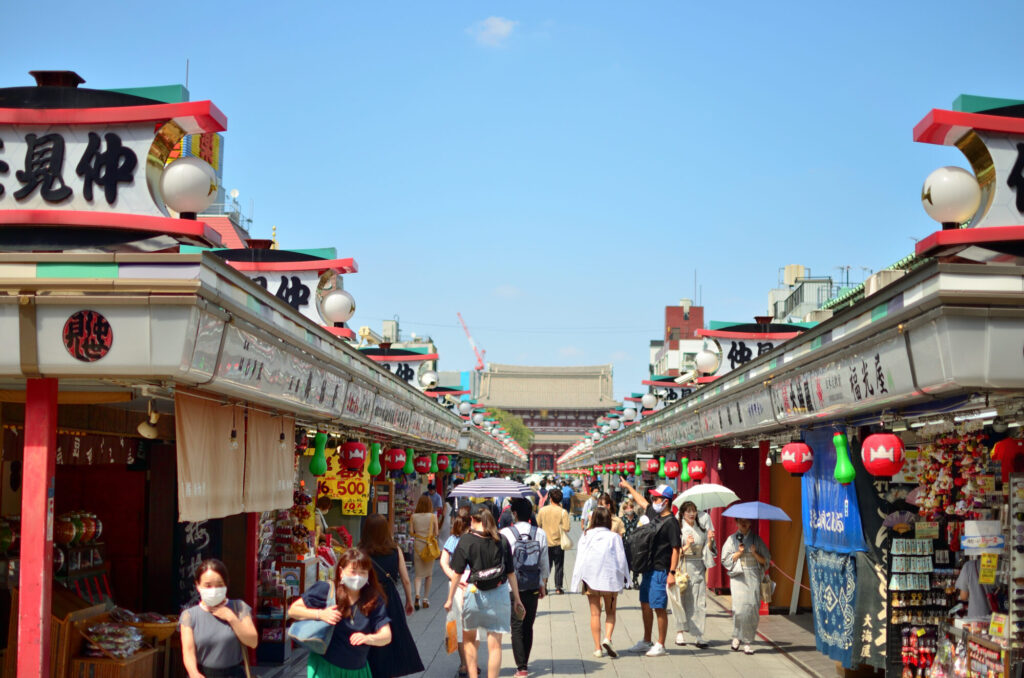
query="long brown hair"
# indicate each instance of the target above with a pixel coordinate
(461, 522)
(424, 505)
(608, 499)
(600, 517)
(376, 539)
(483, 514)
(369, 595)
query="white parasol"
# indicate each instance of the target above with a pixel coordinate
(707, 496)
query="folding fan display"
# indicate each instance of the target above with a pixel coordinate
(900, 521)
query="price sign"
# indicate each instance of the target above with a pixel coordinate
(351, 488)
(926, 530)
(987, 484)
(989, 565)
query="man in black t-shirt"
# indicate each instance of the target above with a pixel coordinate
(665, 557)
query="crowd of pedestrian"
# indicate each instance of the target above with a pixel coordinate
(497, 576)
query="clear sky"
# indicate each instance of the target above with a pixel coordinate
(558, 171)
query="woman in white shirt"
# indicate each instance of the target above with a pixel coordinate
(600, 572)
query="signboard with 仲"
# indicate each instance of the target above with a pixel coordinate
(295, 288)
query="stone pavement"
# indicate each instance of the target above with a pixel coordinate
(563, 644)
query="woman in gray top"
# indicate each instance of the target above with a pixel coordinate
(213, 632)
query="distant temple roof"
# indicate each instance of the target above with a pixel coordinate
(520, 386)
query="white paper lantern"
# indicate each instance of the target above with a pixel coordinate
(951, 195)
(188, 184)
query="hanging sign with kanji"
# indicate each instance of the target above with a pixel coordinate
(351, 488)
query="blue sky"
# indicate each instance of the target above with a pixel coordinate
(559, 171)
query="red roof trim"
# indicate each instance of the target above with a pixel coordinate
(633, 400)
(343, 332)
(193, 116)
(440, 393)
(770, 336)
(402, 358)
(706, 380)
(318, 265)
(968, 236)
(116, 220)
(669, 384)
(935, 127)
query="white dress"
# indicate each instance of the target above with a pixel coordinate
(746, 587)
(689, 608)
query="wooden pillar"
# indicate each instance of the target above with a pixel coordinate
(36, 569)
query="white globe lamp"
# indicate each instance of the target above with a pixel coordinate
(334, 304)
(606, 429)
(629, 413)
(615, 424)
(951, 196)
(707, 361)
(649, 401)
(188, 186)
(465, 408)
(478, 418)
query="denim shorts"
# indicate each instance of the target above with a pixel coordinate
(653, 589)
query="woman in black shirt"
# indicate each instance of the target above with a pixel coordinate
(487, 604)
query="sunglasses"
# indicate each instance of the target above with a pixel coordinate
(1019, 515)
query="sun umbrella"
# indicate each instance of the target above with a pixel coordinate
(491, 487)
(755, 510)
(707, 496)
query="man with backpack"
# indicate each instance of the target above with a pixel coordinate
(530, 557)
(653, 549)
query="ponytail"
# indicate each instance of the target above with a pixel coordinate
(487, 520)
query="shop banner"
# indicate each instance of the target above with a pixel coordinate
(831, 513)
(869, 645)
(194, 542)
(833, 578)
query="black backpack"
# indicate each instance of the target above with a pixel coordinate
(639, 546)
(526, 558)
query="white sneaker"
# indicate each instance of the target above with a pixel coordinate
(657, 650)
(735, 644)
(607, 646)
(680, 640)
(748, 650)
(598, 653)
(641, 646)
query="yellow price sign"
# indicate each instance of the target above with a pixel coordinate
(989, 565)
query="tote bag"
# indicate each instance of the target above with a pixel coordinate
(313, 634)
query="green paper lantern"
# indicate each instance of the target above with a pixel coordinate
(639, 470)
(472, 466)
(318, 464)
(433, 462)
(409, 468)
(661, 468)
(844, 471)
(684, 464)
(374, 467)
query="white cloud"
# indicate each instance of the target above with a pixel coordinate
(492, 31)
(620, 356)
(508, 292)
(569, 351)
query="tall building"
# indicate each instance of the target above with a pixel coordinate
(674, 353)
(559, 404)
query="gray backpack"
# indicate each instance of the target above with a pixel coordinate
(526, 559)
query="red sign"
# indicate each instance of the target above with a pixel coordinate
(87, 336)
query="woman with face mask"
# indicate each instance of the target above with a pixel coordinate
(745, 557)
(214, 631)
(401, 657)
(357, 612)
(688, 606)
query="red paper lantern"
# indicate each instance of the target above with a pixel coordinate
(1009, 452)
(442, 462)
(672, 469)
(422, 464)
(653, 465)
(797, 458)
(598, 468)
(697, 469)
(353, 455)
(621, 467)
(630, 467)
(394, 459)
(882, 454)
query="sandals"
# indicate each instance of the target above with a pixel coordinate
(426, 603)
(416, 605)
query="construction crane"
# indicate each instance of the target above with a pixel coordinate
(479, 354)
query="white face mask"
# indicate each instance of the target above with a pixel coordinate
(213, 597)
(356, 582)
(658, 506)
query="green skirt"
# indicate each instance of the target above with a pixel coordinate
(318, 667)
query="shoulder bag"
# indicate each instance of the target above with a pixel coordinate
(564, 540)
(314, 634)
(767, 588)
(430, 550)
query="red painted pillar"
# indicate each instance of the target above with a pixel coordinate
(764, 493)
(36, 570)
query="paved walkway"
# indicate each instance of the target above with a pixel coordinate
(563, 645)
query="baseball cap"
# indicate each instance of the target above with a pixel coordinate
(664, 491)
